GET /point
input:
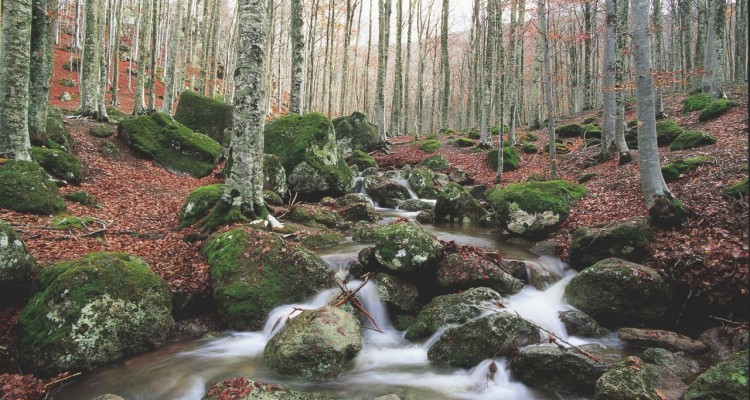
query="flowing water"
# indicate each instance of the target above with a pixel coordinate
(388, 363)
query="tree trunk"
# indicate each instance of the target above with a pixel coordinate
(15, 58)
(144, 34)
(548, 92)
(446, 67)
(42, 53)
(395, 125)
(384, 27)
(88, 105)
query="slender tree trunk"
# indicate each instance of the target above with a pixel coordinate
(42, 53)
(446, 67)
(608, 78)
(171, 74)
(298, 58)
(384, 27)
(395, 125)
(549, 88)
(15, 57)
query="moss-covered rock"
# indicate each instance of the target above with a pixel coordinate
(691, 139)
(436, 163)
(498, 334)
(398, 295)
(673, 170)
(17, 266)
(696, 102)
(199, 202)
(362, 160)
(628, 240)
(617, 292)
(725, 380)
(323, 240)
(452, 309)
(205, 115)
(170, 143)
(464, 267)
(430, 145)
(244, 292)
(567, 370)
(667, 131)
(26, 188)
(511, 158)
(92, 311)
(383, 190)
(82, 197)
(534, 209)
(577, 323)
(455, 202)
(422, 181)
(59, 164)
(404, 248)
(715, 109)
(274, 175)
(101, 130)
(355, 132)
(737, 190)
(316, 216)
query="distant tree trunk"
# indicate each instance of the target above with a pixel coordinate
(608, 79)
(549, 88)
(15, 59)
(42, 52)
(350, 9)
(171, 74)
(446, 67)
(90, 78)
(656, 194)
(406, 106)
(395, 125)
(713, 64)
(298, 58)
(659, 57)
(489, 62)
(144, 36)
(384, 27)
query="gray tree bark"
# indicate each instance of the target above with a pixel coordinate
(15, 57)
(144, 34)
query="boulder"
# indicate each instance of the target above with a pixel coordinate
(354, 132)
(634, 379)
(616, 292)
(452, 309)
(398, 295)
(91, 311)
(384, 191)
(455, 202)
(26, 188)
(205, 115)
(682, 367)
(464, 267)
(422, 181)
(404, 248)
(170, 143)
(244, 291)
(17, 267)
(628, 240)
(315, 345)
(671, 341)
(566, 370)
(536, 208)
(725, 380)
(306, 147)
(577, 323)
(58, 164)
(274, 176)
(495, 335)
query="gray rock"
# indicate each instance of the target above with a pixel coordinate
(577, 323)
(671, 341)
(17, 266)
(315, 345)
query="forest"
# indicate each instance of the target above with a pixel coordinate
(374, 199)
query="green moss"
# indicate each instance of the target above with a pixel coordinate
(667, 131)
(738, 190)
(511, 158)
(464, 142)
(109, 149)
(529, 148)
(691, 139)
(536, 197)
(362, 160)
(171, 144)
(676, 168)
(101, 130)
(430, 145)
(205, 115)
(25, 188)
(71, 222)
(436, 163)
(696, 102)
(82, 197)
(59, 164)
(199, 203)
(323, 240)
(716, 109)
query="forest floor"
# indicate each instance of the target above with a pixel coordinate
(707, 258)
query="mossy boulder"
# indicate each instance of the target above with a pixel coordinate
(316, 345)
(91, 311)
(422, 181)
(205, 115)
(495, 335)
(436, 163)
(306, 147)
(17, 267)
(536, 208)
(691, 139)
(274, 175)
(362, 160)
(404, 248)
(316, 216)
(725, 380)
(675, 169)
(456, 308)
(244, 291)
(737, 190)
(628, 240)
(577, 323)
(384, 191)
(101, 130)
(567, 370)
(617, 292)
(82, 197)
(323, 240)
(26, 188)
(170, 143)
(398, 295)
(58, 164)
(511, 158)
(464, 267)
(667, 131)
(430, 145)
(715, 109)
(455, 202)
(696, 102)
(199, 202)
(355, 132)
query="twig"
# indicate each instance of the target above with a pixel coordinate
(62, 379)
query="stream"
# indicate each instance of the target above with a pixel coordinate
(388, 363)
